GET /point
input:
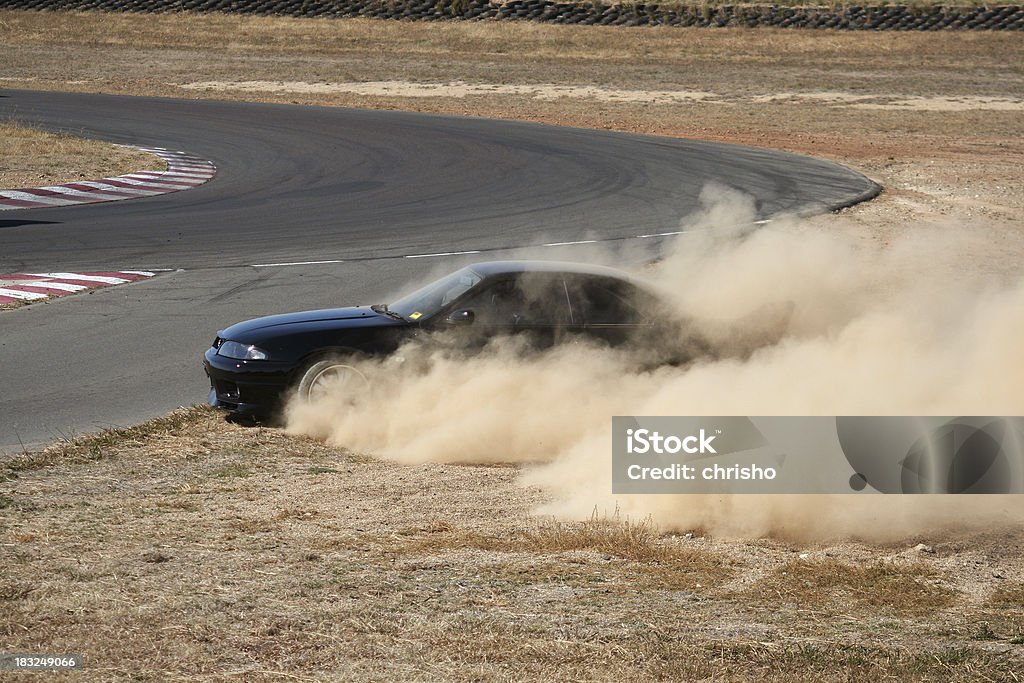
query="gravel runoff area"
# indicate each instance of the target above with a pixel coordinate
(190, 548)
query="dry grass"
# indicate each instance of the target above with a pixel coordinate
(837, 587)
(514, 42)
(633, 553)
(166, 49)
(33, 158)
(1011, 596)
(191, 548)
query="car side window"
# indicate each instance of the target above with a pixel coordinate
(525, 300)
(601, 301)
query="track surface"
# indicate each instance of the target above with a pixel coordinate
(296, 182)
(307, 184)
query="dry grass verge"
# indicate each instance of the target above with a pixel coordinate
(189, 547)
(33, 158)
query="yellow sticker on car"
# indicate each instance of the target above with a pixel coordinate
(415, 316)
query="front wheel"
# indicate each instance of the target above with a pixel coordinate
(331, 378)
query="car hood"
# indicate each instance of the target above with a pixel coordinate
(352, 316)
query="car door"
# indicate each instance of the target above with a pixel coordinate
(609, 310)
(534, 305)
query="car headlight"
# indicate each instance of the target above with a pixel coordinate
(238, 351)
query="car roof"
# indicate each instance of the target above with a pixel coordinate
(491, 268)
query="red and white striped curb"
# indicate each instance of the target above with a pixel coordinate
(28, 287)
(184, 171)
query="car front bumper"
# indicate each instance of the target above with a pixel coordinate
(246, 387)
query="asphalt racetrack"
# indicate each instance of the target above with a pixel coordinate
(314, 184)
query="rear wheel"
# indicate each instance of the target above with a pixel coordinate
(331, 378)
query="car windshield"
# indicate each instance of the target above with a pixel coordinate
(427, 301)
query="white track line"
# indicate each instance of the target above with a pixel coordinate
(656, 235)
(296, 263)
(47, 284)
(84, 278)
(441, 253)
(18, 294)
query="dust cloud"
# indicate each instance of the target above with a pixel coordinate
(794, 319)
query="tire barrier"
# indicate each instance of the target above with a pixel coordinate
(873, 18)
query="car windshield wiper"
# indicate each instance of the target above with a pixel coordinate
(383, 308)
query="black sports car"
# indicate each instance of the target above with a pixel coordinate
(256, 365)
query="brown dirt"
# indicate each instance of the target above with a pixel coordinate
(192, 548)
(33, 158)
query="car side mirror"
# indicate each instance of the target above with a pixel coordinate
(461, 317)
